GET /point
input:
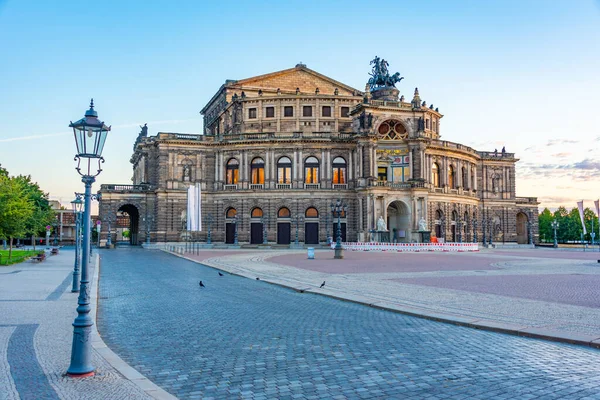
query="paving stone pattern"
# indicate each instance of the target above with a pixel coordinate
(242, 338)
(575, 289)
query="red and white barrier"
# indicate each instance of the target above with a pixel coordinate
(408, 247)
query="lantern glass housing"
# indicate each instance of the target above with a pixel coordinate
(90, 134)
(77, 205)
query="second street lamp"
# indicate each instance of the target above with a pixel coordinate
(90, 134)
(77, 206)
(555, 226)
(337, 210)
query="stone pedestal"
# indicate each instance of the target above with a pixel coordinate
(385, 93)
(425, 236)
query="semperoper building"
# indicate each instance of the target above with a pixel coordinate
(279, 149)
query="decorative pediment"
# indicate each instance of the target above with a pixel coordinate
(300, 77)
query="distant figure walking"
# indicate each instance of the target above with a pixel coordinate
(322, 285)
(202, 284)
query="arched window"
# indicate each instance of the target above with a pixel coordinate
(284, 170)
(283, 212)
(451, 176)
(257, 170)
(233, 171)
(256, 213)
(311, 213)
(339, 170)
(435, 175)
(231, 212)
(454, 216)
(311, 170)
(438, 215)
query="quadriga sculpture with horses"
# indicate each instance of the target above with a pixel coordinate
(380, 76)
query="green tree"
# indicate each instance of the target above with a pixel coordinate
(15, 209)
(42, 214)
(545, 225)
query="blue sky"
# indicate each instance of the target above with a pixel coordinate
(520, 74)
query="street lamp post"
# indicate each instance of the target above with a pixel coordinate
(491, 227)
(149, 220)
(474, 230)
(77, 206)
(109, 238)
(209, 221)
(55, 226)
(298, 219)
(484, 229)
(264, 221)
(327, 223)
(235, 232)
(90, 134)
(555, 226)
(336, 211)
(98, 231)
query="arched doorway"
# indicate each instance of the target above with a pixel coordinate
(522, 237)
(230, 225)
(438, 224)
(453, 226)
(283, 226)
(256, 226)
(128, 220)
(311, 226)
(398, 222)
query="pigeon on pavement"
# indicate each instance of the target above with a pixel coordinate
(322, 285)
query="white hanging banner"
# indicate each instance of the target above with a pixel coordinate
(580, 206)
(597, 204)
(194, 208)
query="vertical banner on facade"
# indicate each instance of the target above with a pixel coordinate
(194, 208)
(597, 204)
(580, 206)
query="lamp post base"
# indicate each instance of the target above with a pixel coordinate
(338, 253)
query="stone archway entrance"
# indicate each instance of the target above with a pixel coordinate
(128, 220)
(522, 237)
(398, 222)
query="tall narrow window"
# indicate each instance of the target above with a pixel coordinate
(451, 176)
(257, 168)
(311, 170)
(435, 175)
(382, 173)
(233, 171)
(284, 170)
(339, 170)
(307, 111)
(344, 112)
(465, 178)
(288, 111)
(326, 111)
(252, 113)
(270, 112)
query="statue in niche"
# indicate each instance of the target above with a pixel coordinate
(183, 220)
(421, 124)
(361, 118)
(381, 225)
(422, 225)
(187, 173)
(370, 120)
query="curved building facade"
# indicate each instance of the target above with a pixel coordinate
(279, 149)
